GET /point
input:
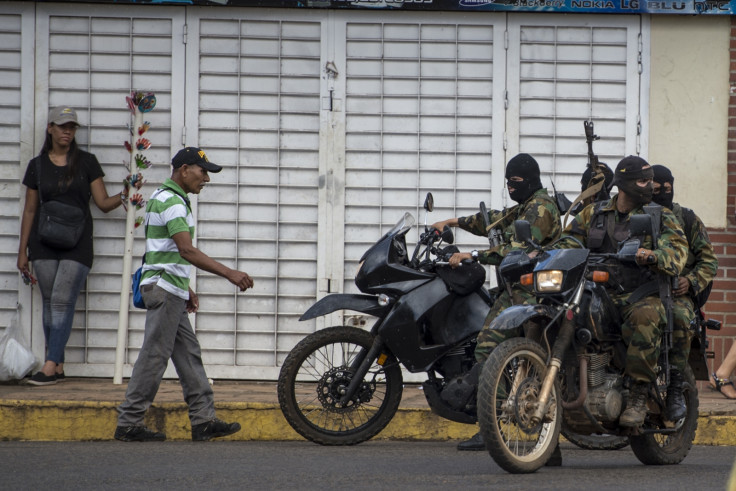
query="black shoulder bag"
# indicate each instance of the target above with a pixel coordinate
(60, 225)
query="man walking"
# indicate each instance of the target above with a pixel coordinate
(169, 299)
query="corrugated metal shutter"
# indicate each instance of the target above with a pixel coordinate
(424, 112)
(316, 164)
(567, 71)
(256, 109)
(16, 147)
(92, 62)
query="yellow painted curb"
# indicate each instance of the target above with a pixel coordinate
(80, 421)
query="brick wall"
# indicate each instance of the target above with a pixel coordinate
(722, 302)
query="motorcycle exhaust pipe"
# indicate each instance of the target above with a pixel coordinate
(583, 386)
(564, 337)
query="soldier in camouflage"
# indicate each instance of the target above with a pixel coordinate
(694, 280)
(601, 227)
(540, 210)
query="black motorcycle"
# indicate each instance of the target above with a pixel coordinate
(567, 372)
(342, 385)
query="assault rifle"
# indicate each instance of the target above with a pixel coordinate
(598, 178)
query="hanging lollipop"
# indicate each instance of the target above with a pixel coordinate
(147, 103)
(143, 144)
(133, 180)
(142, 162)
(131, 104)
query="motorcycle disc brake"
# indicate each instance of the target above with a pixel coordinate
(527, 399)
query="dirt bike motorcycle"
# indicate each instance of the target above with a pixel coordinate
(342, 385)
(567, 372)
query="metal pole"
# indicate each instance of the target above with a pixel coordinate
(127, 268)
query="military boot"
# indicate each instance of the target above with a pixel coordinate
(636, 406)
(676, 408)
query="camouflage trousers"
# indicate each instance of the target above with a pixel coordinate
(683, 313)
(488, 339)
(642, 333)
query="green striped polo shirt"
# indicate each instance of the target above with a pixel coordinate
(167, 213)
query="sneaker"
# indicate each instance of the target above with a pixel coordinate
(60, 376)
(40, 378)
(213, 429)
(138, 434)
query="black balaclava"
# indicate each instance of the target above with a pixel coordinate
(605, 192)
(663, 175)
(524, 166)
(628, 171)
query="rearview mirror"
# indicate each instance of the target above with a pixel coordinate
(640, 225)
(447, 236)
(429, 202)
(522, 231)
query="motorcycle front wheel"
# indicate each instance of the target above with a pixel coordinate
(667, 449)
(508, 392)
(314, 377)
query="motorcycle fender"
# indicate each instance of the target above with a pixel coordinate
(367, 304)
(516, 315)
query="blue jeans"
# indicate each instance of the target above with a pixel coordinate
(60, 283)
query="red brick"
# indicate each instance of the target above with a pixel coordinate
(728, 295)
(726, 261)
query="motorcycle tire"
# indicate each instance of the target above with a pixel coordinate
(663, 449)
(314, 376)
(507, 393)
(596, 442)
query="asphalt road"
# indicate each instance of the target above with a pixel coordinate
(369, 466)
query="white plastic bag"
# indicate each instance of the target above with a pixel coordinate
(16, 359)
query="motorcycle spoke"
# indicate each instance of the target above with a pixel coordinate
(514, 395)
(320, 403)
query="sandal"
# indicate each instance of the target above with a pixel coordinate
(720, 383)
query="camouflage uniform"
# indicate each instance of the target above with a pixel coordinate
(644, 319)
(700, 269)
(540, 210)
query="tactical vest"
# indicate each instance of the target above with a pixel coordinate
(604, 236)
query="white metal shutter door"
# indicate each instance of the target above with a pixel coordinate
(566, 72)
(258, 116)
(424, 112)
(16, 148)
(92, 62)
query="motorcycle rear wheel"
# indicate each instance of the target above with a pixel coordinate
(508, 390)
(659, 449)
(313, 377)
(596, 442)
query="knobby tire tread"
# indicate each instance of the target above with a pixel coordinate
(491, 373)
(647, 449)
(287, 380)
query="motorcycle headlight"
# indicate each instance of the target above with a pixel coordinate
(549, 281)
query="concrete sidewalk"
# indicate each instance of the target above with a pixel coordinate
(85, 409)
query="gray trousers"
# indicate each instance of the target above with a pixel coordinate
(168, 334)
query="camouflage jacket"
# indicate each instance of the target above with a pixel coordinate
(702, 264)
(671, 253)
(540, 210)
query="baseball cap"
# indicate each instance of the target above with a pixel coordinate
(191, 156)
(62, 115)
